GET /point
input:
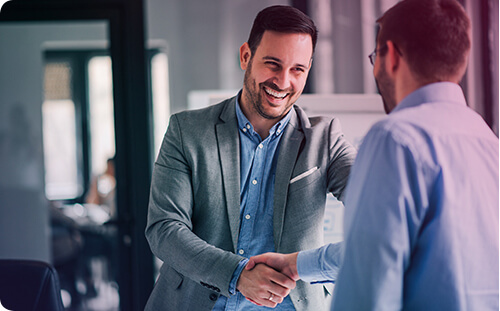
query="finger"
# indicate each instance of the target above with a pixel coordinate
(254, 260)
(251, 263)
(255, 303)
(268, 303)
(258, 284)
(276, 298)
(278, 291)
(275, 282)
(267, 299)
(282, 280)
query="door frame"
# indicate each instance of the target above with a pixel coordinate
(133, 130)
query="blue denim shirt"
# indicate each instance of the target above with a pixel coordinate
(258, 160)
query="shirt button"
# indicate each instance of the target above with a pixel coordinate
(244, 130)
(241, 252)
(248, 126)
(213, 297)
(254, 181)
(279, 131)
(261, 146)
(247, 217)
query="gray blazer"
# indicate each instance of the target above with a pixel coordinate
(194, 207)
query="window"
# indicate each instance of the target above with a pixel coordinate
(101, 117)
(160, 92)
(59, 133)
(78, 117)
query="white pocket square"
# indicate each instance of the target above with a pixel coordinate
(303, 175)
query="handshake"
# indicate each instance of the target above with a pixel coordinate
(268, 278)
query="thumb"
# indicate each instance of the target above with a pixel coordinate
(250, 264)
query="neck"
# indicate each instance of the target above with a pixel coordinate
(262, 126)
(406, 82)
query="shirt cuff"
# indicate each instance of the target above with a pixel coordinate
(236, 275)
(320, 265)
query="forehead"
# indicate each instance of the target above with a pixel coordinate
(288, 47)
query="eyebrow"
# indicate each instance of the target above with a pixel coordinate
(279, 61)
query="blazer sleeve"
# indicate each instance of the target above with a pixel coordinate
(169, 226)
(342, 155)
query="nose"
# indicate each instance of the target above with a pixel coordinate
(283, 79)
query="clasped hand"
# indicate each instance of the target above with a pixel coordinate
(268, 278)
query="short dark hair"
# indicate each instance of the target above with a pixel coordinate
(281, 18)
(433, 35)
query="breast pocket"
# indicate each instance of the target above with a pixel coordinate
(305, 178)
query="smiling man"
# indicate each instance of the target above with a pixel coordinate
(247, 176)
(275, 77)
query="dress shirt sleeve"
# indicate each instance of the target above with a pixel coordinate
(320, 265)
(236, 276)
(384, 202)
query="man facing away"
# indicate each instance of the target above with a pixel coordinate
(244, 177)
(421, 219)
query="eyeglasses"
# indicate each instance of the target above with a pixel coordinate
(373, 55)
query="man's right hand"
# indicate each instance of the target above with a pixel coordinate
(284, 263)
(264, 286)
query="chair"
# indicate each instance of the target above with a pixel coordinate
(29, 285)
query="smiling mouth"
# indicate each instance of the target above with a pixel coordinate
(275, 94)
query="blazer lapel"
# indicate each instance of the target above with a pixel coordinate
(229, 154)
(288, 152)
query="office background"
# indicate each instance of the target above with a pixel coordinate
(148, 57)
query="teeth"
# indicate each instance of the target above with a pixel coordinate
(275, 94)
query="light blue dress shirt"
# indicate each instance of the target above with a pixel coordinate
(422, 212)
(258, 160)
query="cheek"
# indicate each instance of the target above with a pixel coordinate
(299, 83)
(262, 73)
(376, 68)
(261, 78)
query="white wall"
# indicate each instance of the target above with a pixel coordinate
(203, 40)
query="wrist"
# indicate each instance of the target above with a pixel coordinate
(233, 285)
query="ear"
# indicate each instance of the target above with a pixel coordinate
(392, 59)
(245, 55)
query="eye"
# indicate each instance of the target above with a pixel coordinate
(273, 65)
(298, 69)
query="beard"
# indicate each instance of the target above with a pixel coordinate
(256, 99)
(386, 88)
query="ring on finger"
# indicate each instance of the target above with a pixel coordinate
(271, 297)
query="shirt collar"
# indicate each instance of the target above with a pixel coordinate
(434, 92)
(245, 125)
